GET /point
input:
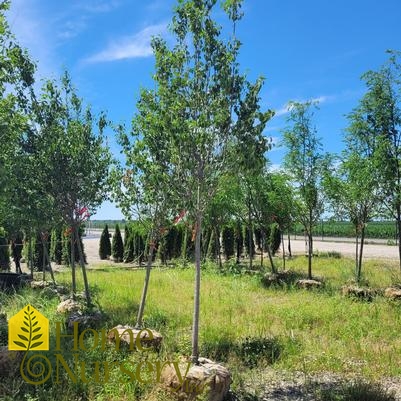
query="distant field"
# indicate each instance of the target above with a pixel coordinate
(375, 229)
(101, 223)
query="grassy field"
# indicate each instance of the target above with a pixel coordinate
(374, 229)
(251, 329)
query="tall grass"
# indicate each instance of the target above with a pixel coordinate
(245, 325)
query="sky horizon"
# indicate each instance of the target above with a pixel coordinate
(315, 51)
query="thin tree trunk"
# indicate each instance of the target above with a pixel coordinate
(238, 244)
(195, 327)
(282, 244)
(83, 267)
(289, 244)
(184, 247)
(310, 254)
(269, 254)
(361, 253)
(262, 248)
(72, 261)
(356, 254)
(30, 255)
(46, 253)
(250, 238)
(43, 260)
(399, 232)
(141, 310)
(218, 246)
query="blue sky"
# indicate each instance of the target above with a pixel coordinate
(311, 49)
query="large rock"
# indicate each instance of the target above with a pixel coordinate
(281, 278)
(69, 305)
(392, 293)
(40, 284)
(9, 361)
(362, 293)
(309, 284)
(128, 336)
(209, 380)
(85, 321)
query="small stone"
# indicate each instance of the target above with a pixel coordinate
(208, 379)
(69, 305)
(40, 284)
(124, 332)
(392, 293)
(308, 284)
(85, 321)
(362, 293)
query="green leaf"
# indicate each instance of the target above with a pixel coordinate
(36, 344)
(35, 330)
(22, 337)
(24, 329)
(20, 344)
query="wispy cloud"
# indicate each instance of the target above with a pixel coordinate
(97, 7)
(135, 46)
(72, 28)
(287, 107)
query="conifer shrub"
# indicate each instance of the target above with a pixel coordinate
(117, 245)
(105, 244)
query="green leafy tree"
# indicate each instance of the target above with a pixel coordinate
(198, 88)
(376, 123)
(105, 244)
(304, 163)
(74, 161)
(117, 246)
(353, 191)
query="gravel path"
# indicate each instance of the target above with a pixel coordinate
(378, 249)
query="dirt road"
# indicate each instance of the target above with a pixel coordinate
(345, 246)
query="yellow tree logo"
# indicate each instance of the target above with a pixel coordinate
(28, 330)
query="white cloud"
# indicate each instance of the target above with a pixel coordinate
(135, 46)
(287, 107)
(73, 28)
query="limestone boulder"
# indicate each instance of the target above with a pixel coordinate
(69, 305)
(209, 380)
(361, 293)
(85, 321)
(309, 284)
(392, 293)
(129, 337)
(40, 284)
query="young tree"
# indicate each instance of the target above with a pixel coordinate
(117, 246)
(353, 192)
(197, 90)
(377, 124)
(105, 244)
(74, 162)
(16, 80)
(304, 163)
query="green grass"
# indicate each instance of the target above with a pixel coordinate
(374, 229)
(243, 324)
